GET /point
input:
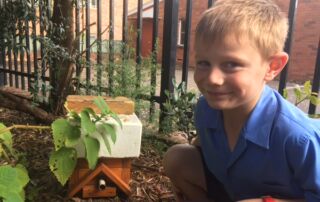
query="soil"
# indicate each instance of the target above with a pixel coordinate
(148, 182)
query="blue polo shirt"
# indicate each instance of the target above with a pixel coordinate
(277, 153)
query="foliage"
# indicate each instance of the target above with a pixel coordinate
(10, 15)
(84, 128)
(125, 75)
(123, 80)
(123, 71)
(179, 108)
(13, 175)
(304, 94)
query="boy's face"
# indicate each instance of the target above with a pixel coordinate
(230, 73)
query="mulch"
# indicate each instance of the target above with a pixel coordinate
(148, 181)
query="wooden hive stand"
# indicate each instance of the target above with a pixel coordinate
(111, 176)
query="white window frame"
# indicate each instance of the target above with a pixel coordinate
(82, 3)
(93, 5)
(180, 40)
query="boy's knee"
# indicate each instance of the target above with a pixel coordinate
(176, 159)
(183, 165)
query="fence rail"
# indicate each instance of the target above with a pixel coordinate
(26, 67)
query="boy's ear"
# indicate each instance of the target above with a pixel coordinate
(276, 64)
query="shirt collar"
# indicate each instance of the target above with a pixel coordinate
(259, 125)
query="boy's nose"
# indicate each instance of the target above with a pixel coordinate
(216, 76)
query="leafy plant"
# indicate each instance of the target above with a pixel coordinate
(10, 15)
(179, 108)
(13, 175)
(84, 128)
(303, 94)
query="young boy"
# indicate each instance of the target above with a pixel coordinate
(255, 146)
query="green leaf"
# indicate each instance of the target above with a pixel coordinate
(314, 94)
(6, 137)
(92, 151)
(9, 180)
(13, 197)
(116, 118)
(314, 100)
(102, 105)
(90, 111)
(307, 87)
(174, 82)
(62, 163)
(106, 142)
(75, 116)
(298, 93)
(183, 87)
(285, 93)
(167, 93)
(12, 181)
(86, 123)
(22, 174)
(64, 133)
(110, 130)
(175, 96)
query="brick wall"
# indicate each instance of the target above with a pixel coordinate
(105, 14)
(305, 41)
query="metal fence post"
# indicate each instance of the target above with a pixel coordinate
(287, 48)
(153, 80)
(186, 43)
(1, 74)
(2, 83)
(169, 50)
(316, 81)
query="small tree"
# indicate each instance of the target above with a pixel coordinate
(62, 66)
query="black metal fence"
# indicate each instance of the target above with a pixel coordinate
(25, 67)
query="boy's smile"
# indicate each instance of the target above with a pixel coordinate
(230, 73)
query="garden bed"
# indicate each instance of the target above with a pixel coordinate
(148, 181)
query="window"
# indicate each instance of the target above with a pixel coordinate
(181, 32)
(93, 3)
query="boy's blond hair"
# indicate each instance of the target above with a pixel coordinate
(260, 21)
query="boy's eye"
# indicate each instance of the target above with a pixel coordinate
(203, 65)
(230, 65)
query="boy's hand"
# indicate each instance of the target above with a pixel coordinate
(196, 141)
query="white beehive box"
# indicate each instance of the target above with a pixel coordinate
(128, 141)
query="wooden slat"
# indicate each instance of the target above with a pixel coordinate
(110, 174)
(91, 191)
(119, 105)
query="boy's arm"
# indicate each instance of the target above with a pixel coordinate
(275, 200)
(303, 156)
